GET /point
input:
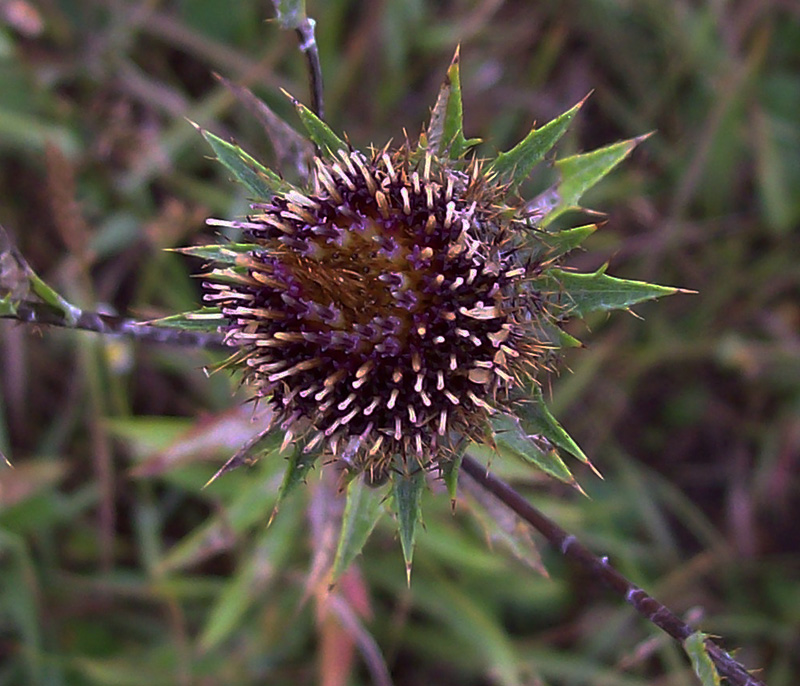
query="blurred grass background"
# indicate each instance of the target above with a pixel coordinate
(115, 568)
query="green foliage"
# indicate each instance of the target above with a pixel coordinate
(517, 164)
(701, 662)
(406, 498)
(578, 295)
(260, 182)
(318, 131)
(362, 511)
(445, 134)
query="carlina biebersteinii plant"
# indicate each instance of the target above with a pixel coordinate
(393, 310)
(406, 302)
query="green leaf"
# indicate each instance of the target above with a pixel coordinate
(581, 294)
(445, 133)
(319, 132)
(702, 664)
(222, 253)
(407, 495)
(561, 242)
(363, 509)
(204, 319)
(261, 567)
(300, 463)
(511, 439)
(450, 471)
(261, 183)
(535, 418)
(580, 172)
(533, 435)
(516, 164)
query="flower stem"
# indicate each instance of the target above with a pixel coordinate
(570, 547)
(41, 313)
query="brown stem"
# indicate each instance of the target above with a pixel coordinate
(645, 605)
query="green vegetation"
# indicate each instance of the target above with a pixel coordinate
(116, 567)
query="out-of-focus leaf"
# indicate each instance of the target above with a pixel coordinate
(581, 294)
(516, 164)
(292, 150)
(261, 183)
(363, 509)
(252, 505)
(267, 556)
(580, 172)
(702, 663)
(407, 494)
(778, 151)
(467, 618)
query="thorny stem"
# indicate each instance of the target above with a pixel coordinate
(570, 547)
(40, 313)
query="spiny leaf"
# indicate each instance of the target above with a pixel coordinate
(445, 134)
(533, 434)
(261, 183)
(319, 132)
(562, 242)
(222, 253)
(516, 164)
(581, 294)
(702, 663)
(511, 439)
(363, 509)
(535, 419)
(450, 471)
(407, 495)
(299, 464)
(580, 172)
(204, 319)
(549, 246)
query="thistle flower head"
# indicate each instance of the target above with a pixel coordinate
(401, 304)
(387, 312)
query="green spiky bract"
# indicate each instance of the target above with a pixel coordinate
(511, 419)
